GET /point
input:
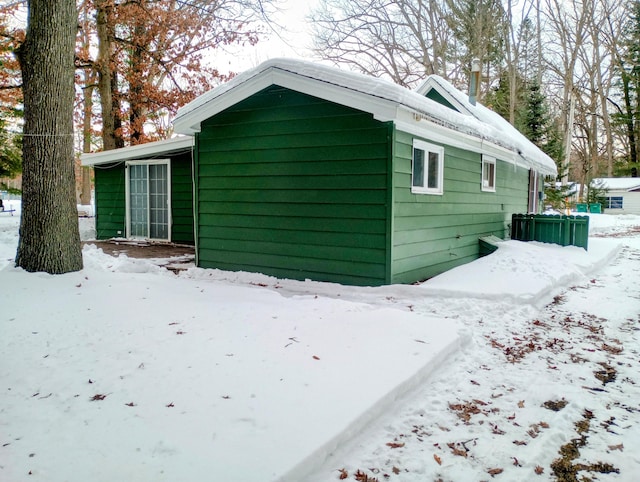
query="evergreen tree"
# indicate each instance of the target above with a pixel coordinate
(10, 154)
(628, 66)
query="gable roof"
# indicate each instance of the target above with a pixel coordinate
(149, 150)
(474, 128)
(620, 183)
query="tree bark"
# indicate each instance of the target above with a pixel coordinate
(49, 234)
(105, 79)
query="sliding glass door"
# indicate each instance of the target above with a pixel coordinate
(148, 200)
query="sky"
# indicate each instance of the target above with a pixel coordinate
(293, 40)
(127, 371)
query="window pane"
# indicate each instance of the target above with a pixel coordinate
(418, 168)
(488, 175)
(433, 177)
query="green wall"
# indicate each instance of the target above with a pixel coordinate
(432, 233)
(293, 186)
(110, 200)
(182, 199)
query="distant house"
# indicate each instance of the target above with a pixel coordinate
(623, 194)
(145, 191)
(306, 171)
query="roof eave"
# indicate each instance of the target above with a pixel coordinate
(139, 151)
(382, 109)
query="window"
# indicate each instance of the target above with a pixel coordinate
(427, 168)
(613, 202)
(488, 173)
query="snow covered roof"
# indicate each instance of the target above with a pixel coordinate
(140, 151)
(620, 183)
(475, 127)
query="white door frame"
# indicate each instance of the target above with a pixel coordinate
(146, 162)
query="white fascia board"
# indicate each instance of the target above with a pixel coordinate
(417, 124)
(138, 151)
(432, 83)
(382, 109)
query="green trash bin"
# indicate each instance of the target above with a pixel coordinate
(595, 208)
(582, 207)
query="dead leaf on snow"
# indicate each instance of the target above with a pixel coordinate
(437, 459)
(395, 445)
(538, 470)
(343, 474)
(395, 470)
(493, 472)
(616, 447)
(521, 404)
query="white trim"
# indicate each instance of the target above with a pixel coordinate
(427, 149)
(431, 83)
(139, 151)
(146, 162)
(488, 161)
(382, 109)
(384, 100)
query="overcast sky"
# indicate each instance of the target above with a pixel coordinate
(293, 41)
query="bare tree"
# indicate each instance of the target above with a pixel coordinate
(403, 40)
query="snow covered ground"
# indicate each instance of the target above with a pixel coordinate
(125, 371)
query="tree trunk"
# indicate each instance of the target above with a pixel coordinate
(87, 95)
(49, 235)
(106, 82)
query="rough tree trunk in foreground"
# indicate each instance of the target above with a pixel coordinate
(49, 235)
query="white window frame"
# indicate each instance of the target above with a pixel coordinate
(489, 168)
(420, 186)
(147, 162)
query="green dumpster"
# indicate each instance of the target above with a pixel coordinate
(582, 207)
(595, 208)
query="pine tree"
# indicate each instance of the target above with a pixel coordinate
(628, 68)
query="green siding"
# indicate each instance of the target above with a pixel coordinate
(433, 94)
(293, 186)
(110, 201)
(182, 199)
(435, 233)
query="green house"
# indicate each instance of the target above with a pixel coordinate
(145, 191)
(305, 171)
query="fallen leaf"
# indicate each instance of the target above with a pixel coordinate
(519, 442)
(437, 459)
(493, 472)
(98, 396)
(616, 447)
(456, 451)
(130, 404)
(395, 470)
(343, 474)
(395, 445)
(538, 470)
(316, 357)
(515, 462)
(521, 404)
(170, 405)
